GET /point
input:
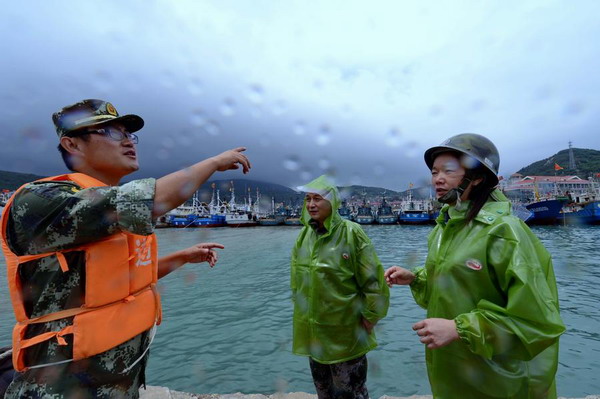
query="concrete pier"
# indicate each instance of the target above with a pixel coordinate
(165, 393)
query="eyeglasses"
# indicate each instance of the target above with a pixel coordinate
(116, 134)
(110, 132)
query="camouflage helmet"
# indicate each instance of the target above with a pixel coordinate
(88, 113)
(475, 146)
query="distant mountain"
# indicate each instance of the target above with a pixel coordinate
(14, 180)
(587, 164)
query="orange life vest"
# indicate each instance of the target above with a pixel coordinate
(121, 300)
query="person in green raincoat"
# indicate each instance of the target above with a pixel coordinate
(488, 285)
(339, 294)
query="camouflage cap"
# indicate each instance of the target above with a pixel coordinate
(89, 113)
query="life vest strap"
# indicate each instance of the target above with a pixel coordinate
(62, 261)
(26, 343)
(63, 314)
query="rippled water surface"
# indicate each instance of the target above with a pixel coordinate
(228, 329)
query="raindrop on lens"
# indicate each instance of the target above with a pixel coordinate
(379, 170)
(163, 154)
(346, 111)
(435, 110)
(299, 128)
(256, 112)
(195, 87)
(168, 143)
(279, 108)
(256, 93)
(291, 163)
(356, 180)
(393, 137)
(212, 128)
(324, 163)
(411, 149)
(198, 118)
(228, 107)
(305, 175)
(324, 136)
(468, 162)
(167, 79)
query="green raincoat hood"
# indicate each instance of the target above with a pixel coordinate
(324, 187)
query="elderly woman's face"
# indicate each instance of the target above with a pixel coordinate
(446, 173)
(318, 207)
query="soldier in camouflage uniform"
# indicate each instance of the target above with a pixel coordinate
(55, 215)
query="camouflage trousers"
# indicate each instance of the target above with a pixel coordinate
(344, 380)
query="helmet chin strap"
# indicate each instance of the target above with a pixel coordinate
(454, 194)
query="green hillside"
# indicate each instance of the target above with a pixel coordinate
(587, 164)
(14, 180)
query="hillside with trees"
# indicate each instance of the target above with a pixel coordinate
(587, 164)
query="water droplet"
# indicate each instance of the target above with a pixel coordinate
(163, 154)
(256, 112)
(256, 93)
(198, 118)
(478, 105)
(436, 110)
(195, 87)
(292, 163)
(300, 128)
(324, 163)
(356, 180)
(183, 139)
(167, 79)
(265, 140)
(347, 111)
(32, 133)
(393, 137)
(378, 170)
(280, 107)
(212, 128)
(102, 82)
(324, 136)
(412, 149)
(168, 142)
(228, 107)
(305, 175)
(574, 108)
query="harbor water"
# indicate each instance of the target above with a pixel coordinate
(228, 329)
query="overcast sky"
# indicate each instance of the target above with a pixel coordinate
(357, 89)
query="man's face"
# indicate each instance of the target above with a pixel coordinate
(318, 207)
(111, 151)
(446, 173)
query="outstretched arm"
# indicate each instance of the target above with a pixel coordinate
(174, 189)
(198, 253)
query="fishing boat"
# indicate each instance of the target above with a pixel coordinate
(274, 218)
(241, 215)
(385, 215)
(345, 211)
(545, 211)
(415, 211)
(364, 214)
(584, 209)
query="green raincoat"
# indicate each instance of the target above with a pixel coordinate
(495, 279)
(336, 280)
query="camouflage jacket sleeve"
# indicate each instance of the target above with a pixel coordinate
(49, 216)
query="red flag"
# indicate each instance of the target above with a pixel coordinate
(557, 166)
